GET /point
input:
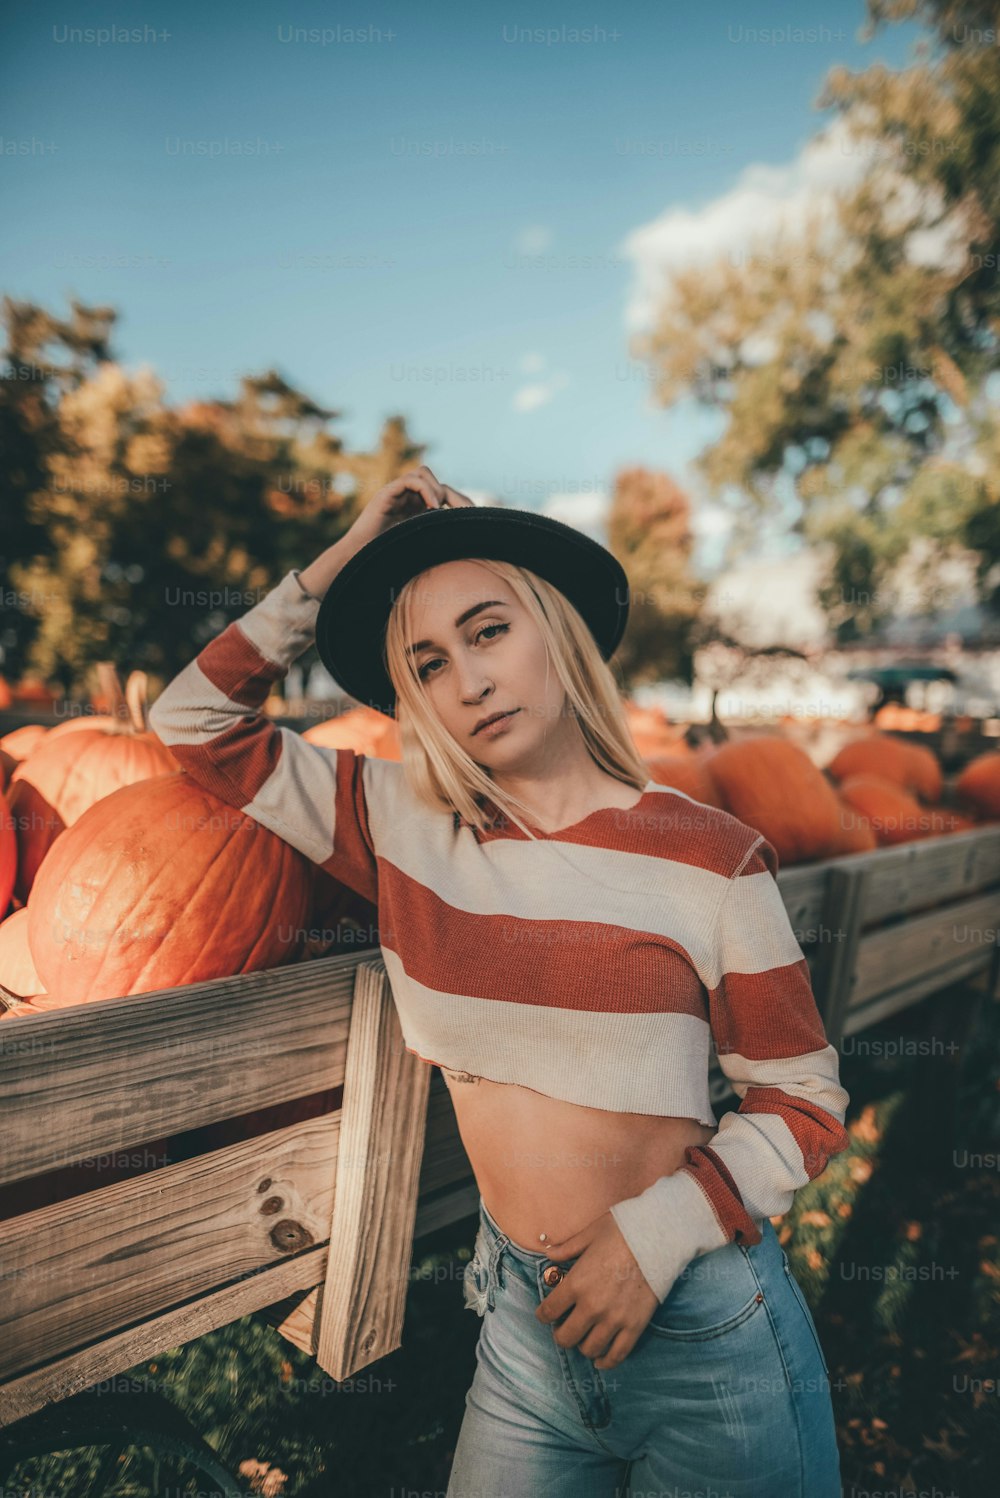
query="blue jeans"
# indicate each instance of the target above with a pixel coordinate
(726, 1393)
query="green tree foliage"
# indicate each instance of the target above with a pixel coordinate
(649, 531)
(853, 356)
(135, 531)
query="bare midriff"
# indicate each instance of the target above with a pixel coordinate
(547, 1166)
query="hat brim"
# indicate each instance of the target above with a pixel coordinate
(351, 623)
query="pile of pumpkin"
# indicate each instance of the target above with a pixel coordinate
(119, 874)
(878, 790)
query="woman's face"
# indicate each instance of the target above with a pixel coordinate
(479, 652)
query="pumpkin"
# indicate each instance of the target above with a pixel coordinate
(653, 734)
(913, 766)
(978, 786)
(856, 835)
(362, 729)
(945, 819)
(17, 971)
(772, 785)
(893, 814)
(20, 742)
(8, 854)
(75, 766)
(162, 884)
(689, 774)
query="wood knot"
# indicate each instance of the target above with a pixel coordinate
(272, 1205)
(264, 1184)
(289, 1236)
(370, 1340)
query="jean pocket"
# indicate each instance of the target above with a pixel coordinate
(804, 1306)
(715, 1294)
(475, 1279)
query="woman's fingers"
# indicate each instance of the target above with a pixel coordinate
(454, 498)
(419, 482)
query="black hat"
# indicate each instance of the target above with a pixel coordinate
(351, 623)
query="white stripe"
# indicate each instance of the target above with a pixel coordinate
(547, 880)
(764, 1159)
(755, 933)
(813, 1077)
(283, 625)
(631, 1063)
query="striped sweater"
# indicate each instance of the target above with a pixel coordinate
(599, 964)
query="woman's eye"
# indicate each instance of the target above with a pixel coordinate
(422, 672)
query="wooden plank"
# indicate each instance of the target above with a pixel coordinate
(913, 877)
(804, 888)
(295, 1318)
(835, 982)
(64, 1376)
(96, 1264)
(363, 1300)
(944, 944)
(97, 1078)
(863, 1016)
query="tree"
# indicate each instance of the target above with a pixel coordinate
(649, 531)
(143, 530)
(853, 357)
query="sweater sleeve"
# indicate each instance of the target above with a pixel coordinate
(210, 717)
(773, 1049)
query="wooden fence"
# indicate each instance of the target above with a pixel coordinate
(312, 1224)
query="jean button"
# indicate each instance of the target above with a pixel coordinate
(552, 1275)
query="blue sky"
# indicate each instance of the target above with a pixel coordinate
(425, 211)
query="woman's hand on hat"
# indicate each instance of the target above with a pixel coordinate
(409, 494)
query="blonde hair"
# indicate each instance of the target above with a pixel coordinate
(440, 771)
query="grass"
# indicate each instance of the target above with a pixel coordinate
(896, 1246)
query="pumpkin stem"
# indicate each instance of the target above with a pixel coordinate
(135, 697)
(111, 691)
(9, 999)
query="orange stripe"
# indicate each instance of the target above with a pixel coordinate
(766, 1015)
(239, 759)
(236, 667)
(582, 965)
(817, 1133)
(662, 825)
(705, 1166)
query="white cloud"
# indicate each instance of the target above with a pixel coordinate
(764, 201)
(770, 201)
(586, 512)
(531, 397)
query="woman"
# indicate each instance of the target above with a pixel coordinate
(566, 939)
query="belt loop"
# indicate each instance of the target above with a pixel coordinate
(496, 1269)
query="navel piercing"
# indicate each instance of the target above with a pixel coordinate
(542, 1237)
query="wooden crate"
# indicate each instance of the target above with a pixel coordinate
(312, 1224)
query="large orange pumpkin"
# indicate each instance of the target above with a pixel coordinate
(362, 729)
(892, 813)
(75, 766)
(771, 784)
(915, 767)
(162, 884)
(978, 786)
(17, 970)
(689, 774)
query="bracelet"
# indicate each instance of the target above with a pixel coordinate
(305, 593)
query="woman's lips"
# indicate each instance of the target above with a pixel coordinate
(490, 730)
